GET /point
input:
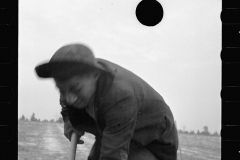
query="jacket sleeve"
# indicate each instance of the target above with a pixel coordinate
(80, 118)
(64, 111)
(120, 120)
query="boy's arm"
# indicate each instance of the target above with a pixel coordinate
(81, 120)
(68, 128)
(120, 121)
(64, 111)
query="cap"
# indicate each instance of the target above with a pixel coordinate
(68, 60)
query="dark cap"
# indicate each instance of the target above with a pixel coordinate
(68, 60)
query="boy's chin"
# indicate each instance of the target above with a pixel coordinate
(80, 106)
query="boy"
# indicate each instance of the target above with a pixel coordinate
(130, 120)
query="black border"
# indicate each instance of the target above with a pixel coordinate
(9, 79)
(230, 93)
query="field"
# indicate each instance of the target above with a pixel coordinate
(45, 141)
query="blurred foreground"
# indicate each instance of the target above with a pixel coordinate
(46, 141)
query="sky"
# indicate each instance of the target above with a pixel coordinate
(179, 57)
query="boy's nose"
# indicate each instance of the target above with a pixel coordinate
(71, 98)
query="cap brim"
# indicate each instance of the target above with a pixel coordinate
(61, 69)
(44, 70)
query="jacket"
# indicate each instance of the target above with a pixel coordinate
(128, 111)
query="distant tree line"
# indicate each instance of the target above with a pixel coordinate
(204, 132)
(34, 119)
(60, 120)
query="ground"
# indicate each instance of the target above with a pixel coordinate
(45, 141)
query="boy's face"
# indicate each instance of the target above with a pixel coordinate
(78, 91)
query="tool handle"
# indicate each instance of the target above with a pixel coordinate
(73, 146)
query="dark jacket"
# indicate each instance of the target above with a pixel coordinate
(129, 111)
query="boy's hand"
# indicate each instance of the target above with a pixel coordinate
(68, 130)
